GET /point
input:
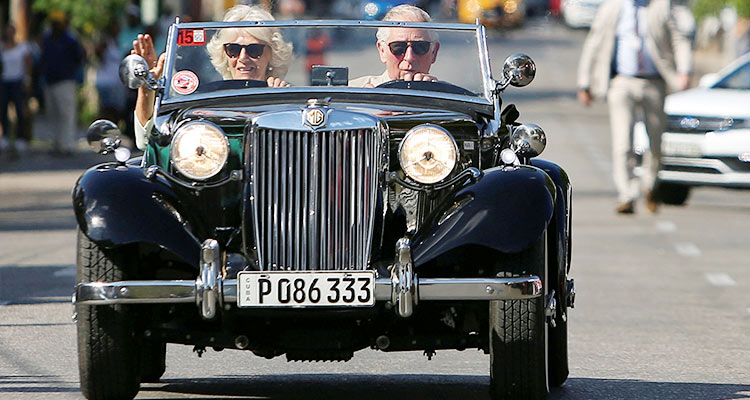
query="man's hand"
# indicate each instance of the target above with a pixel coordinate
(683, 81)
(584, 96)
(409, 76)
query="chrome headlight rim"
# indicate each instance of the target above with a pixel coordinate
(185, 129)
(417, 130)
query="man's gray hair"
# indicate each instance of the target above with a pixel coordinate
(404, 12)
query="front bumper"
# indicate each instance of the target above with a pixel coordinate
(161, 292)
(210, 292)
(714, 158)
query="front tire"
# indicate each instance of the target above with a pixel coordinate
(108, 353)
(518, 333)
(673, 193)
(153, 361)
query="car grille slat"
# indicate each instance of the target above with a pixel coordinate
(312, 197)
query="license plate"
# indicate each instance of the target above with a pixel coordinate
(306, 289)
(684, 147)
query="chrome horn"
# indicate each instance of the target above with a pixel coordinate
(528, 140)
(104, 137)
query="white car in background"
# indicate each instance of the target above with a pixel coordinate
(707, 141)
(579, 13)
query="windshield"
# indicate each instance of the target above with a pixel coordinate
(738, 80)
(221, 57)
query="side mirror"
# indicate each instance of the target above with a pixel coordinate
(134, 72)
(519, 70)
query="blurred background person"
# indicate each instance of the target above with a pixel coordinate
(130, 29)
(62, 59)
(633, 52)
(316, 45)
(14, 88)
(110, 90)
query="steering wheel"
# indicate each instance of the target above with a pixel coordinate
(431, 86)
(231, 84)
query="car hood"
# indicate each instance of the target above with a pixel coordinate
(707, 102)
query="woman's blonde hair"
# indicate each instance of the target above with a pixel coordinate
(281, 51)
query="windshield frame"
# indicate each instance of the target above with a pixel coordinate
(261, 94)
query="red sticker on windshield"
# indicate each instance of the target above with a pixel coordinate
(185, 82)
(191, 37)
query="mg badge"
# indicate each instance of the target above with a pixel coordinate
(315, 117)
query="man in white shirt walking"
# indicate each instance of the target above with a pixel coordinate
(632, 55)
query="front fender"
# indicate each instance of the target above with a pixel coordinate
(560, 236)
(506, 210)
(117, 205)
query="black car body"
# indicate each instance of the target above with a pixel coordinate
(314, 237)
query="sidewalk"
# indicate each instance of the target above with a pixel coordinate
(38, 158)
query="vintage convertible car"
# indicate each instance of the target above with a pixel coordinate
(318, 220)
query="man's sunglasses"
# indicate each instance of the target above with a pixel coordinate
(253, 50)
(419, 47)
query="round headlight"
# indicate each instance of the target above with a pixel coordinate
(428, 153)
(199, 150)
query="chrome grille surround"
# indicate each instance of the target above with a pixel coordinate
(313, 192)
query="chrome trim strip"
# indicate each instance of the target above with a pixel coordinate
(484, 62)
(328, 22)
(341, 93)
(135, 292)
(161, 292)
(480, 288)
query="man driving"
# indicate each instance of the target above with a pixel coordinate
(408, 53)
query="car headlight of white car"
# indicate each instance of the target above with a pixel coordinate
(428, 154)
(199, 150)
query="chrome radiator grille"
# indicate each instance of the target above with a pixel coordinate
(313, 197)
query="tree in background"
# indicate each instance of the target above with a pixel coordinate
(704, 8)
(87, 17)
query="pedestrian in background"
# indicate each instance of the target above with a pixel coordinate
(62, 58)
(632, 54)
(14, 88)
(130, 29)
(316, 45)
(108, 86)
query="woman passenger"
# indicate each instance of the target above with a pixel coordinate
(258, 53)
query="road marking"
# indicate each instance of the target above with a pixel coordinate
(687, 249)
(65, 272)
(719, 279)
(666, 226)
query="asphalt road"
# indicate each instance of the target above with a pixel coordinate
(663, 310)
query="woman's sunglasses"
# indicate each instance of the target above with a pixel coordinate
(419, 47)
(253, 50)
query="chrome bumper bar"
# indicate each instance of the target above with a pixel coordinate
(210, 292)
(161, 292)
